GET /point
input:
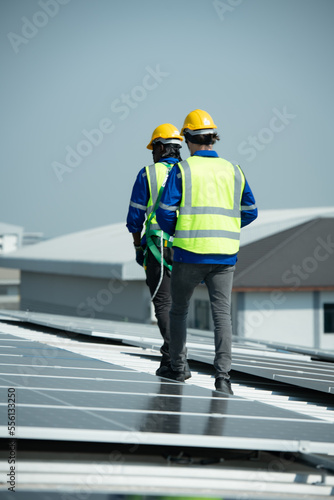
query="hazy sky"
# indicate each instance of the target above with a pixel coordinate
(85, 82)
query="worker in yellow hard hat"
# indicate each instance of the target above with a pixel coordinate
(199, 122)
(154, 247)
(205, 203)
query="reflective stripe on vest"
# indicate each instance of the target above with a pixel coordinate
(156, 174)
(209, 219)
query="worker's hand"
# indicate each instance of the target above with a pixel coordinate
(139, 255)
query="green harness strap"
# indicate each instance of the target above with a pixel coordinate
(155, 251)
(156, 233)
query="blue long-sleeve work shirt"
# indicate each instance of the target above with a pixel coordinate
(171, 197)
(139, 200)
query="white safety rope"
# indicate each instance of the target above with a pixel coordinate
(161, 264)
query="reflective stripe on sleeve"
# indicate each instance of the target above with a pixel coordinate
(166, 207)
(248, 207)
(137, 205)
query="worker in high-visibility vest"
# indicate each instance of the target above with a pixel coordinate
(205, 203)
(154, 248)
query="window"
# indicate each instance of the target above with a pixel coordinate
(328, 318)
(202, 314)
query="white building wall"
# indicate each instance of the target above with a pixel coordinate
(85, 297)
(9, 243)
(278, 317)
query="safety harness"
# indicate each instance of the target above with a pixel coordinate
(157, 239)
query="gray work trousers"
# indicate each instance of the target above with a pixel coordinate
(218, 278)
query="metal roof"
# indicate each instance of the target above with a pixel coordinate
(94, 253)
(273, 221)
(300, 257)
(10, 228)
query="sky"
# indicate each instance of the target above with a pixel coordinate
(85, 83)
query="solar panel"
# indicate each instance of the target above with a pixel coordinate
(262, 360)
(92, 400)
(300, 372)
(309, 374)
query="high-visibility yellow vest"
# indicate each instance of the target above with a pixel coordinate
(156, 175)
(209, 218)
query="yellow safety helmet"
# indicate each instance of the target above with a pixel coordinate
(166, 133)
(199, 121)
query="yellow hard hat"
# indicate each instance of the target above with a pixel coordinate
(166, 133)
(200, 121)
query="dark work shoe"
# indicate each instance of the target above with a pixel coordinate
(164, 369)
(168, 372)
(223, 385)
